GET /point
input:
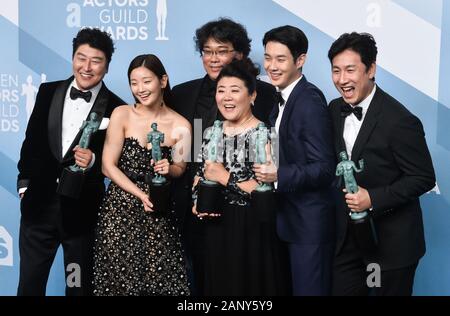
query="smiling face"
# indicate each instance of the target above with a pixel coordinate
(89, 66)
(280, 65)
(351, 77)
(233, 99)
(215, 55)
(146, 86)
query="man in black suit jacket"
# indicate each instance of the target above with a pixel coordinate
(218, 42)
(48, 218)
(371, 125)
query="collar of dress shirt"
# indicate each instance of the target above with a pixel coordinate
(95, 90)
(366, 102)
(286, 92)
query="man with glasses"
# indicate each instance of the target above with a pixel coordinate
(218, 42)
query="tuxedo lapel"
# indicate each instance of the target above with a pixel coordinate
(100, 104)
(188, 110)
(290, 105)
(339, 141)
(369, 123)
(273, 115)
(55, 119)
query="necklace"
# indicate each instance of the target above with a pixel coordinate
(237, 130)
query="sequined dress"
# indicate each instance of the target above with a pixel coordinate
(137, 252)
(242, 253)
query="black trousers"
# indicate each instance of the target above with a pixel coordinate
(194, 244)
(40, 236)
(350, 275)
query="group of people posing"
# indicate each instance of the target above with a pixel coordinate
(303, 245)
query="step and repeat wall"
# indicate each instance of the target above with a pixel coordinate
(413, 38)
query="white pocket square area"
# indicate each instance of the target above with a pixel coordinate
(104, 124)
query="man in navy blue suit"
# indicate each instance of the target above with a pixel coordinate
(303, 179)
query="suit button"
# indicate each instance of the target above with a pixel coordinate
(57, 180)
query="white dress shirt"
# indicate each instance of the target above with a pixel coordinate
(74, 113)
(352, 125)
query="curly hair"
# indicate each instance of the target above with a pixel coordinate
(224, 30)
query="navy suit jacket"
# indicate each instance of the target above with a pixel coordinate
(306, 168)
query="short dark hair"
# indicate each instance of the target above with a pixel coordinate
(95, 38)
(243, 69)
(288, 35)
(361, 43)
(224, 30)
(154, 64)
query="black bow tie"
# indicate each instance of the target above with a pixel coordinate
(280, 100)
(347, 109)
(75, 94)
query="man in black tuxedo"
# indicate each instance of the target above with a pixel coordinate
(48, 218)
(218, 42)
(371, 125)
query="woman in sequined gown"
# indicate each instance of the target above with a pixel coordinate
(138, 251)
(243, 255)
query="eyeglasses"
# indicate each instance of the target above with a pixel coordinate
(207, 53)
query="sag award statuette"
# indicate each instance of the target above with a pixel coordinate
(72, 178)
(159, 185)
(210, 192)
(361, 222)
(262, 198)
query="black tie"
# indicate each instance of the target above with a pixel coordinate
(347, 109)
(75, 94)
(280, 100)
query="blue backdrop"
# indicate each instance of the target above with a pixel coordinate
(413, 65)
